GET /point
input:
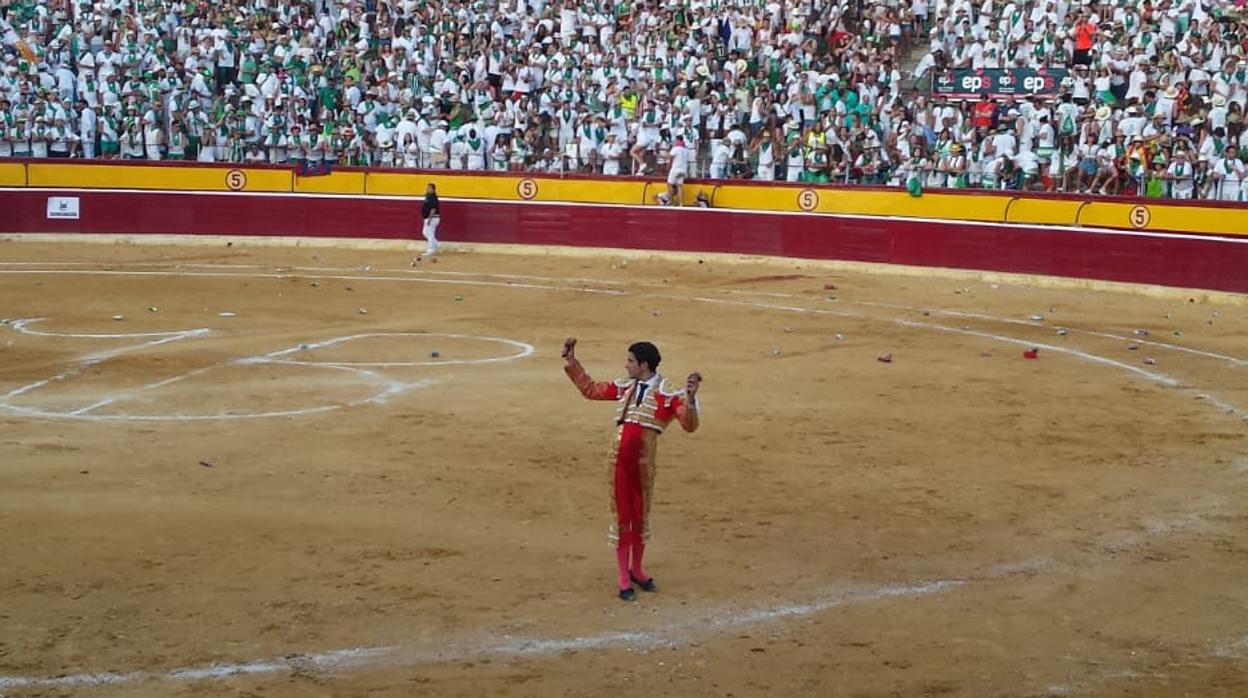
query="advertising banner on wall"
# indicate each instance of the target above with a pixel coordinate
(62, 207)
(1000, 83)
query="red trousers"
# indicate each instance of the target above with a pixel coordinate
(630, 484)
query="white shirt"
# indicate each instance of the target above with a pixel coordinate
(437, 140)
(1005, 144)
(680, 160)
(1183, 184)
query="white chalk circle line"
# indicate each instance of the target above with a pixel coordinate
(522, 350)
(388, 387)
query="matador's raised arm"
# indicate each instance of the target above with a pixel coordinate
(602, 390)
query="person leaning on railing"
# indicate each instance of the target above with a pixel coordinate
(1229, 176)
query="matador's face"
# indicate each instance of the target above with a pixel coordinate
(636, 371)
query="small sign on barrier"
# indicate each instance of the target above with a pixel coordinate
(808, 199)
(526, 188)
(236, 180)
(1139, 216)
(63, 208)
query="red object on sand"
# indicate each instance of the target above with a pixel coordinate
(885, 358)
(829, 287)
(1031, 354)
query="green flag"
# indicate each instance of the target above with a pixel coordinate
(914, 187)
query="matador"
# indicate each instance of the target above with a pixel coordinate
(647, 403)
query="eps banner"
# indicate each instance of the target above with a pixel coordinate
(1000, 82)
(63, 207)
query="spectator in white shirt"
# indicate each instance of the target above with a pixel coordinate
(678, 172)
(1181, 176)
(1228, 176)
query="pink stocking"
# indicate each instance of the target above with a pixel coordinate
(638, 549)
(621, 558)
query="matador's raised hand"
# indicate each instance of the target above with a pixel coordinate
(691, 384)
(569, 349)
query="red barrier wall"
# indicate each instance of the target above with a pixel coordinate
(1174, 260)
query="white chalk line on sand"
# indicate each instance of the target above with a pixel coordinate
(671, 634)
(464, 276)
(391, 387)
(504, 645)
(23, 326)
(359, 656)
(467, 649)
(408, 278)
(522, 348)
(1154, 376)
(295, 270)
(1108, 335)
(172, 262)
(468, 274)
(521, 646)
(387, 387)
(1234, 650)
(1011, 321)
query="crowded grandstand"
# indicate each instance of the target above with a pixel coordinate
(1111, 98)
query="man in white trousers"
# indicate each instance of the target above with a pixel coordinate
(677, 173)
(432, 214)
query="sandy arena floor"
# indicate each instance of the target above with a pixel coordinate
(301, 499)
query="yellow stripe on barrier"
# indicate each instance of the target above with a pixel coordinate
(154, 177)
(622, 191)
(335, 183)
(1190, 219)
(1102, 214)
(517, 188)
(457, 186)
(756, 198)
(949, 206)
(863, 202)
(1042, 211)
(12, 174)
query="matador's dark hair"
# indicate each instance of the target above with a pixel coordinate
(646, 353)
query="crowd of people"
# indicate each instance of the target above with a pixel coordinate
(1152, 101)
